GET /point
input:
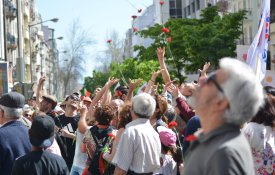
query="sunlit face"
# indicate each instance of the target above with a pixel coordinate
(187, 89)
(207, 93)
(73, 101)
(28, 114)
(96, 91)
(43, 106)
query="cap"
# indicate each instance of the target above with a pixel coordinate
(167, 136)
(12, 100)
(88, 99)
(42, 131)
(51, 99)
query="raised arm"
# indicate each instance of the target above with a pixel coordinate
(106, 87)
(40, 89)
(82, 124)
(132, 86)
(151, 82)
(165, 73)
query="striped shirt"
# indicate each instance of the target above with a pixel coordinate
(139, 148)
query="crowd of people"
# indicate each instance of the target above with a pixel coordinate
(222, 123)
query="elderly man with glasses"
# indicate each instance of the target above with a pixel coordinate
(224, 102)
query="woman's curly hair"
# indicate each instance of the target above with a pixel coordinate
(104, 114)
(124, 115)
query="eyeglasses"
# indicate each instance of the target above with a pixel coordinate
(212, 78)
(27, 115)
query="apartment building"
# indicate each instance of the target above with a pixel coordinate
(24, 52)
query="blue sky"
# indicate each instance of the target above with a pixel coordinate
(101, 17)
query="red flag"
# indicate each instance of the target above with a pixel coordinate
(87, 93)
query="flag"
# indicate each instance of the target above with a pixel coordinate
(87, 93)
(257, 52)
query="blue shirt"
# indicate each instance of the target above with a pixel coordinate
(14, 143)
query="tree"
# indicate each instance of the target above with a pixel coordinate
(130, 68)
(77, 41)
(194, 41)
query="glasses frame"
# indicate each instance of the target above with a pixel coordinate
(212, 78)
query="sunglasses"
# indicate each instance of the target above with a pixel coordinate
(74, 98)
(27, 115)
(212, 78)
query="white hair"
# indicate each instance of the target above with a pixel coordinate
(143, 105)
(242, 90)
(12, 112)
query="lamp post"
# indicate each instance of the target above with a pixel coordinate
(30, 47)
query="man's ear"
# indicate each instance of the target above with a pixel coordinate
(222, 104)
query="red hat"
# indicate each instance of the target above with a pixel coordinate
(88, 99)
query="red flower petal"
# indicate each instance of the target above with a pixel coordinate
(112, 136)
(134, 16)
(169, 39)
(165, 30)
(135, 29)
(109, 41)
(161, 2)
(191, 138)
(172, 124)
(139, 10)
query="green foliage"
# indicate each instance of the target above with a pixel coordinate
(98, 79)
(195, 41)
(130, 68)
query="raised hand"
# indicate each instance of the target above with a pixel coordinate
(133, 84)
(156, 74)
(161, 53)
(83, 110)
(112, 81)
(42, 80)
(205, 68)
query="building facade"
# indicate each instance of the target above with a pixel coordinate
(25, 47)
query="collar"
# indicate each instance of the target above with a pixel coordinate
(218, 131)
(137, 122)
(10, 122)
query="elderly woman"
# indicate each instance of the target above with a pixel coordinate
(261, 136)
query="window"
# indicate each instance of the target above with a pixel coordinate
(193, 7)
(172, 4)
(188, 10)
(198, 4)
(184, 13)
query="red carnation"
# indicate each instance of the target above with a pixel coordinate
(112, 136)
(169, 39)
(161, 2)
(109, 41)
(134, 16)
(135, 29)
(191, 138)
(139, 10)
(165, 30)
(172, 124)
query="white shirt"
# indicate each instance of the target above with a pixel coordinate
(139, 148)
(79, 157)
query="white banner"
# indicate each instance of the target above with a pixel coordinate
(257, 53)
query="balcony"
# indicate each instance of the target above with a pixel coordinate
(10, 10)
(11, 42)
